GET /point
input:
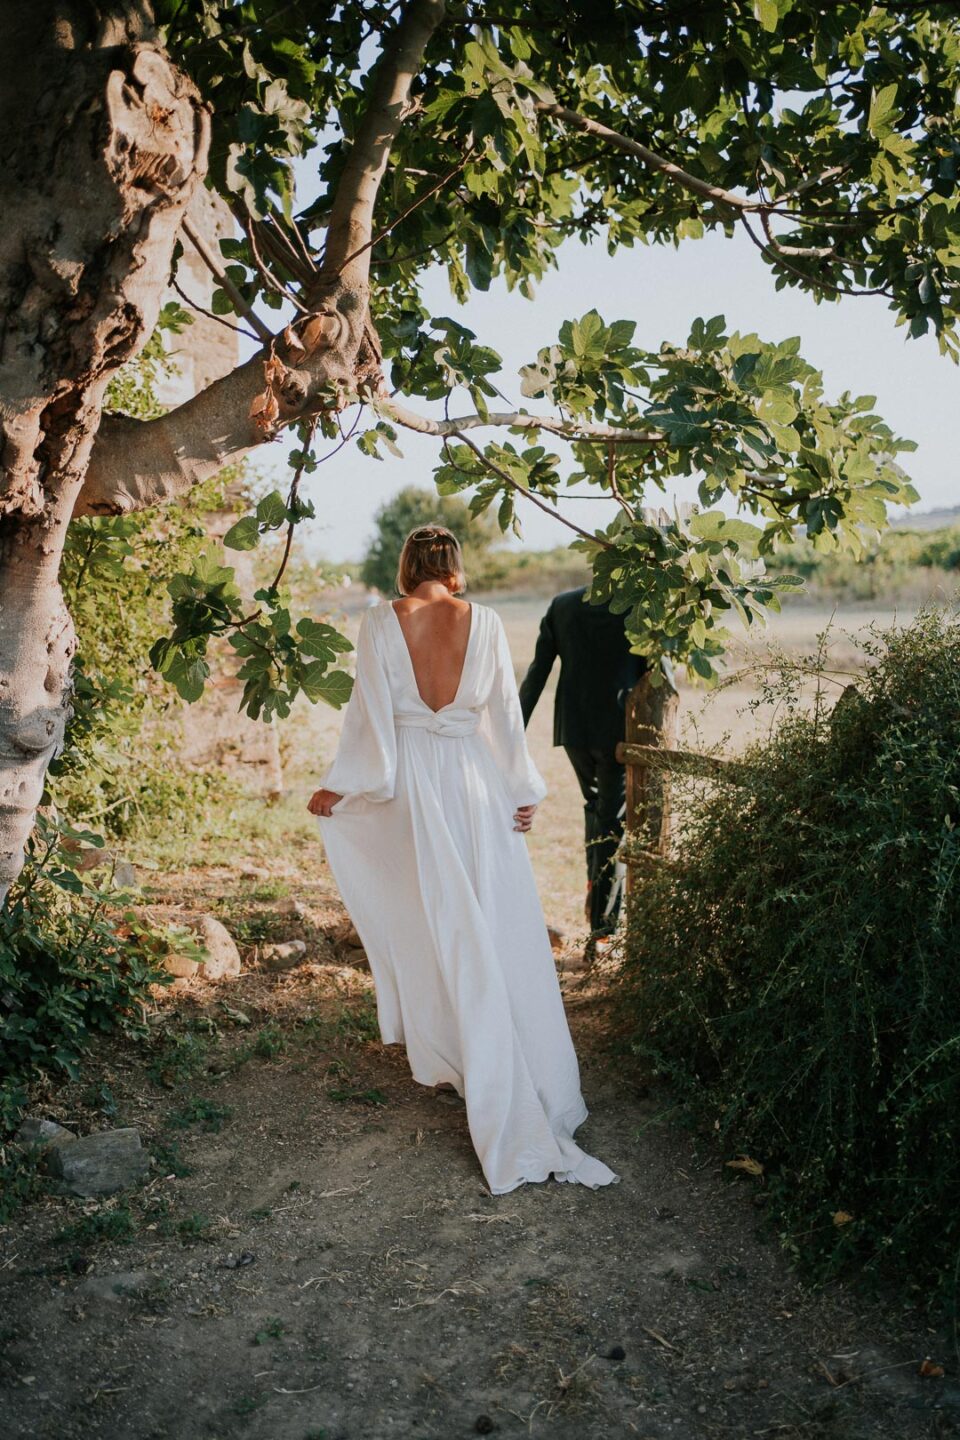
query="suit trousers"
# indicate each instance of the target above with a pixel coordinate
(602, 781)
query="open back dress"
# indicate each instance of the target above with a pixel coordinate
(441, 890)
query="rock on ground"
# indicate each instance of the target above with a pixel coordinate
(221, 959)
(118, 1286)
(43, 1133)
(283, 956)
(100, 1164)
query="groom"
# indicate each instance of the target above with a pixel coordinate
(597, 673)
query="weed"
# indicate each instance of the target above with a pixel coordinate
(181, 1057)
(169, 1160)
(247, 1404)
(194, 1227)
(100, 1098)
(357, 1024)
(270, 1042)
(21, 1179)
(362, 1097)
(794, 969)
(199, 1111)
(271, 890)
(116, 1225)
(272, 1330)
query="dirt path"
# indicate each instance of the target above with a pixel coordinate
(319, 1257)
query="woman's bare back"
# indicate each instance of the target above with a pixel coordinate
(437, 632)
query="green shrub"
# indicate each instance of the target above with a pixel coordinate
(65, 974)
(794, 970)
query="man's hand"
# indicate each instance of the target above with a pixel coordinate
(321, 802)
(523, 819)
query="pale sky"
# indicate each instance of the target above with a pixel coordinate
(855, 343)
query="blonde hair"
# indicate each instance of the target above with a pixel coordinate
(431, 552)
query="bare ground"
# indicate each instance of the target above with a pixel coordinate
(323, 1257)
(319, 1256)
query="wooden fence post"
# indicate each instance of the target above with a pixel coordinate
(651, 720)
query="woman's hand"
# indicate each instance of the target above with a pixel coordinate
(321, 802)
(523, 819)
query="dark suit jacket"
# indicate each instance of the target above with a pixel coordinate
(597, 672)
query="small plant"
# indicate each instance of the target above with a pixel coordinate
(100, 1098)
(362, 1097)
(21, 1179)
(181, 1056)
(193, 1228)
(199, 1111)
(312, 1027)
(270, 1042)
(271, 890)
(248, 1404)
(203, 1025)
(272, 1329)
(116, 1225)
(357, 1024)
(259, 925)
(168, 1159)
(68, 969)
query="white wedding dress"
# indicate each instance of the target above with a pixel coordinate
(442, 893)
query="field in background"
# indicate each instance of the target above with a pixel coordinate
(723, 717)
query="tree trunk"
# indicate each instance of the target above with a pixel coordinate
(105, 142)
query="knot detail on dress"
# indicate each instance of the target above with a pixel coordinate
(454, 724)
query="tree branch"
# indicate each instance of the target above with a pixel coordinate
(816, 282)
(224, 281)
(136, 463)
(517, 419)
(800, 252)
(414, 205)
(266, 274)
(717, 193)
(276, 243)
(529, 494)
(649, 157)
(139, 463)
(347, 251)
(202, 310)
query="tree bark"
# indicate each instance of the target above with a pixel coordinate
(105, 143)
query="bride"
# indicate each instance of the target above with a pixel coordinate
(423, 813)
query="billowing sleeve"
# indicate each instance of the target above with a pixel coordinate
(365, 765)
(505, 726)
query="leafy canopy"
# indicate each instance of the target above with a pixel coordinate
(827, 131)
